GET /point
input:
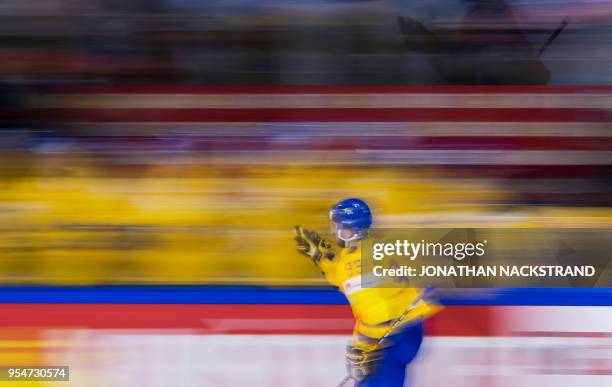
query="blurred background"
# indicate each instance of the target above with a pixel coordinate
(154, 156)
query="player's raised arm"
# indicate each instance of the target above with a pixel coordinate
(312, 245)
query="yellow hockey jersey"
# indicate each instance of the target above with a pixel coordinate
(375, 309)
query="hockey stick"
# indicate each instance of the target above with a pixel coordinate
(553, 36)
(395, 324)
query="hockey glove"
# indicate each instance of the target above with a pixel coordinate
(360, 363)
(310, 244)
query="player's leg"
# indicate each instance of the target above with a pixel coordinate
(410, 344)
(389, 376)
(392, 370)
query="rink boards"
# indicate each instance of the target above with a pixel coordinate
(253, 336)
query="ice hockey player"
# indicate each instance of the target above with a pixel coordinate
(369, 361)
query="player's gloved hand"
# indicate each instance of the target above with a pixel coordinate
(312, 245)
(361, 363)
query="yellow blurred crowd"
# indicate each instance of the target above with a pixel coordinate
(68, 220)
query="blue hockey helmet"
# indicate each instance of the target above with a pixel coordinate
(351, 219)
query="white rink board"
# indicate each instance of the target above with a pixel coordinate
(115, 358)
